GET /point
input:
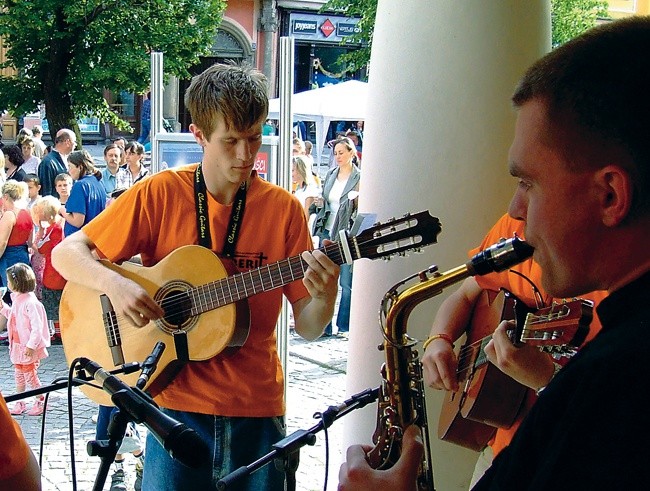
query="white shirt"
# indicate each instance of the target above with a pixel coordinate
(30, 166)
(334, 200)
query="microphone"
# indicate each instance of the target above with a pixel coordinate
(499, 257)
(180, 441)
(150, 364)
(357, 401)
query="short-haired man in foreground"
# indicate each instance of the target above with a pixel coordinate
(234, 402)
(581, 156)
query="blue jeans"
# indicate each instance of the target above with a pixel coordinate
(345, 280)
(130, 443)
(12, 255)
(232, 442)
(343, 315)
(144, 133)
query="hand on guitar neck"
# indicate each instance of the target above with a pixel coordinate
(526, 364)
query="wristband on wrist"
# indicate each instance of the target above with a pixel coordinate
(433, 337)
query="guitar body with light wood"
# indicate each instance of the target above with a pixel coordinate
(84, 334)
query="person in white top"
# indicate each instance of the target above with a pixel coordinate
(39, 146)
(30, 166)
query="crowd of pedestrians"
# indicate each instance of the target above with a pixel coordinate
(49, 193)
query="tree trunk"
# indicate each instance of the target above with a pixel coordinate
(58, 105)
(59, 116)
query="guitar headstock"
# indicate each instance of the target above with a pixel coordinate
(396, 236)
(560, 327)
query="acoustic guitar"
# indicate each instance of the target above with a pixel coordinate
(205, 308)
(487, 398)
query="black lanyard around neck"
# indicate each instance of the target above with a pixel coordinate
(203, 220)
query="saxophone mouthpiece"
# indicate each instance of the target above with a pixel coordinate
(499, 257)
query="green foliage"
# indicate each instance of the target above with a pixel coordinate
(570, 18)
(67, 52)
(367, 11)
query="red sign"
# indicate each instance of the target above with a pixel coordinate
(327, 28)
(261, 163)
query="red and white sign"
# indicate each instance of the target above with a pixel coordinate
(327, 28)
(261, 163)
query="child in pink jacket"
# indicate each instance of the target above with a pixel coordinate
(29, 335)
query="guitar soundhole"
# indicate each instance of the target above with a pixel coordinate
(175, 300)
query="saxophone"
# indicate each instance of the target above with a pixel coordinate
(401, 400)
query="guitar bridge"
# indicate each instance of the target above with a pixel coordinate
(112, 330)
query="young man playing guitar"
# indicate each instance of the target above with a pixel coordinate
(234, 401)
(527, 365)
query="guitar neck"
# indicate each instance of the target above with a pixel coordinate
(482, 359)
(243, 285)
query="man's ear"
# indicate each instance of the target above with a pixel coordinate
(198, 135)
(615, 185)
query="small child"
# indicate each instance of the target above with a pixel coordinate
(63, 184)
(50, 233)
(29, 335)
(36, 259)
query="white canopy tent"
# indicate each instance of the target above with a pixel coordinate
(345, 101)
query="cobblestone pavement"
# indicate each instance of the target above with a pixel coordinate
(316, 379)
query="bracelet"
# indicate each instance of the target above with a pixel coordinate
(433, 337)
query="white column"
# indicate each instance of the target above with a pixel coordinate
(438, 130)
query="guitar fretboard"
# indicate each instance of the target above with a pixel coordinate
(243, 285)
(482, 359)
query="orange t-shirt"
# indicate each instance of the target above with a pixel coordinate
(506, 227)
(157, 216)
(14, 450)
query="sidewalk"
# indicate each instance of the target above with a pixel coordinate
(316, 379)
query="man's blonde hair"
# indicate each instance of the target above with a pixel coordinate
(238, 93)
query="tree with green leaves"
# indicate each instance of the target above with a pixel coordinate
(569, 19)
(68, 52)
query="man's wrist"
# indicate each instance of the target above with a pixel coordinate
(556, 368)
(444, 336)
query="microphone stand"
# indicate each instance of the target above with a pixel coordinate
(79, 380)
(287, 450)
(120, 419)
(58, 384)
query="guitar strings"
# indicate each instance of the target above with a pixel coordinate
(176, 303)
